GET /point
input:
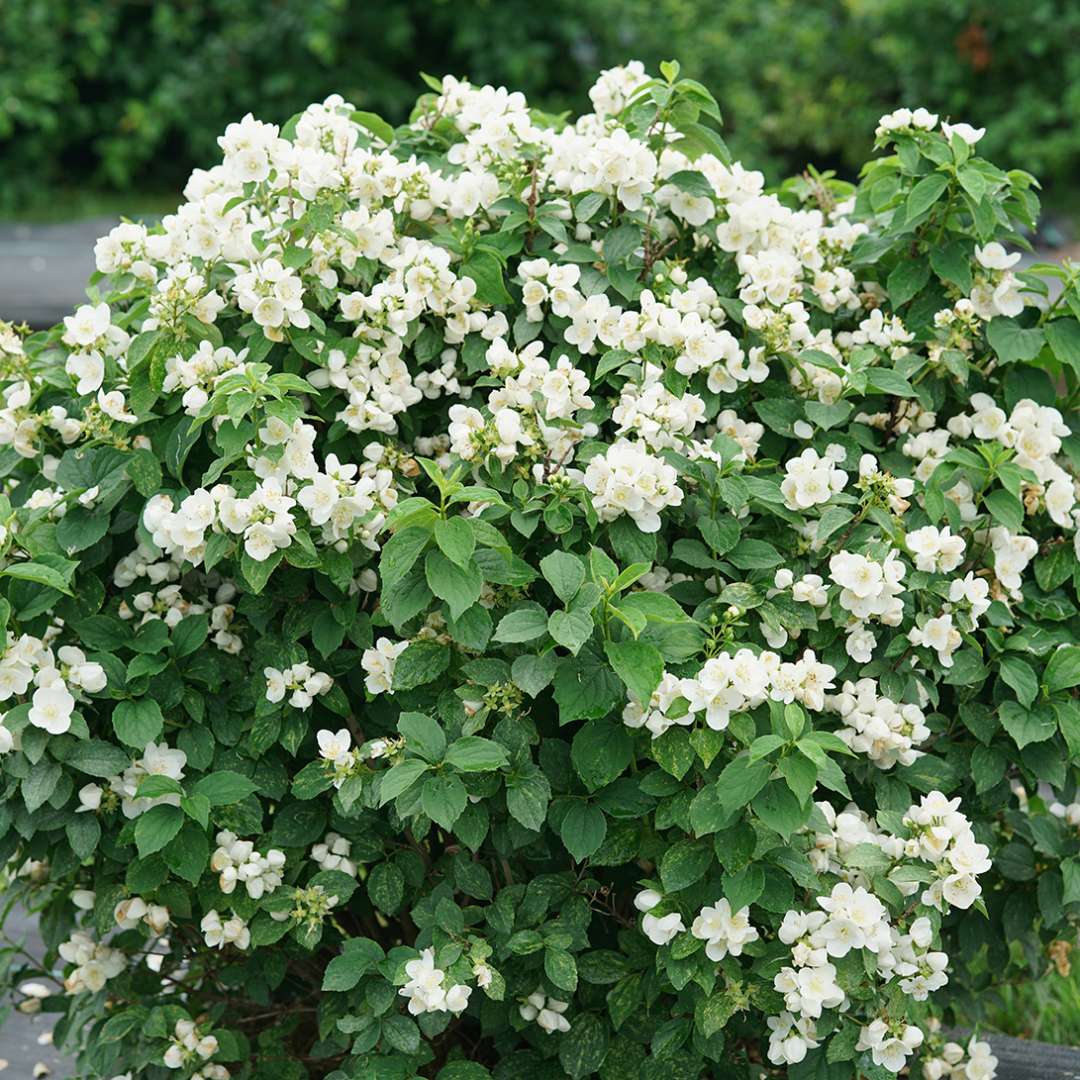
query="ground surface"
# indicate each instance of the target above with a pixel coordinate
(20, 1050)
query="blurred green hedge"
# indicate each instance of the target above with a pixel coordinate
(130, 94)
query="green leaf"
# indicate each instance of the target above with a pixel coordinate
(801, 775)
(684, 863)
(458, 586)
(473, 753)
(741, 780)
(189, 855)
(399, 778)
(527, 796)
(157, 827)
(907, 280)
(583, 829)
(887, 381)
(380, 129)
(401, 551)
(779, 808)
(197, 807)
(456, 539)
(601, 750)
(224, 788)
(423, 735)
(81, 528)
(523, 624)
(443, 798)
(39, 785)
(583, 1048)
(924, 194)
(189, 634)
(564, 572)
(137, 723)
(486, 270)
(1006, 508)
(386, 887)
(1063, 336)
(1012, 342)
(1027, 725)
(39, 573)
(744, 888)
(257, 573)
(570, 629)
(638, 664)
(97, 758)
(358, 957)
(421, 662)
(1063, 669)
(561, 968)
(533, 673)
(1019, 675)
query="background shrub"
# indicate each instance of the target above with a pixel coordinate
(104, 94)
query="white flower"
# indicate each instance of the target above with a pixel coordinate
(51, 708)
(662, 929)
(629, 480)
(723, 931)
(379, 663)
(966, 132)
(811, 480)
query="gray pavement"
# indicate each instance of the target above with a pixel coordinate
(44, 268)
(21, 1051)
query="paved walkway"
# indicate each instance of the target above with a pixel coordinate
(44, 268)
(20, 1049)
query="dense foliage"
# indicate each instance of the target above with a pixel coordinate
(103, 94)
(500, 598)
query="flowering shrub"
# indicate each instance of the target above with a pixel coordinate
(506, 598)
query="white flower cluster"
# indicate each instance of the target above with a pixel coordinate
(945, 839)
(852, 917)
(237, 861)
(171, 606)
(426, 989)
(1068, 813)
(300, 681)
(886, 732)
(546, 1011)
(812, 479)
(659, 929)
(654, 414)
(1012, 554)
(729, 684)
(870, 589)
(379, 662)
(976, 1061)
(94, 963)
(654, 716)
(189, 1046)
(998, 291)
(199, 374)
(130, 913)
(724, 932)
(158, 759)
(1035, 433)
(219, 932)
(890, 1045)
(332, 853)
(936, 551)
(938, 634)
(27, 661)
(627, 479)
